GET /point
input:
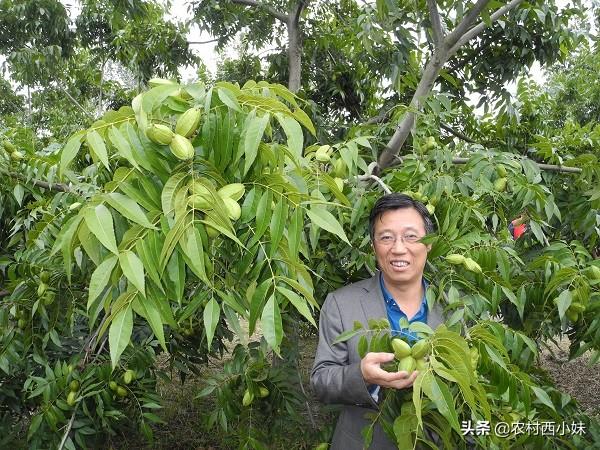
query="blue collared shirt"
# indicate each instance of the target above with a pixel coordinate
(394, 312)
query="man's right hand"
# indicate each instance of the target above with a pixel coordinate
(372, 372)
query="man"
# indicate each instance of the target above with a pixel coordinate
(396, 224)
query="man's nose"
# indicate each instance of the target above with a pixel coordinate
(399, 246)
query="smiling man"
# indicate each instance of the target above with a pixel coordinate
(396, 291)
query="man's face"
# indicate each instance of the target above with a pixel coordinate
(400, 262)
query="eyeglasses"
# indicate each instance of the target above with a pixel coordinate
(390, 239)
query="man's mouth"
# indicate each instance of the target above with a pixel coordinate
(399, 264)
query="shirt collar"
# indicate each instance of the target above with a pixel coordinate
(389, 300)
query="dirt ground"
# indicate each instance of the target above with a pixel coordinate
(577, 378)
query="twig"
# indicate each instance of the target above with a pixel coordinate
(378, 180)
(458, 134)
(54, 187)
(308, 408)
(210, 41)
(541, 166)
(68, 430)
(272, 11)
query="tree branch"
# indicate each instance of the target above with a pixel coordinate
(541, 166)
(75, 102)
(272, 11)
(458, 134)
(202, 42)
(53, 187)
(436, 26)
(465, 24)
(473, 32)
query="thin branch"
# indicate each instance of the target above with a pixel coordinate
(473, 32)
(68, 430)
(75, 102)
(436, 26)
(379, 181)
(295, 17)
(53, 187)
(465, 24)
(272, 11)
(458, 134)
(210, 41)
(541, 166)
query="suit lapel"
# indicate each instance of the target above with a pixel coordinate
(372, 302)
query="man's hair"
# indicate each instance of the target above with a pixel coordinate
(393, 201)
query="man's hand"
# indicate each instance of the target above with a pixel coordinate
(372, 372)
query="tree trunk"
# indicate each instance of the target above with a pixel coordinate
(294, 54)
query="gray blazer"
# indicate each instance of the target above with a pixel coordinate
(336, 375)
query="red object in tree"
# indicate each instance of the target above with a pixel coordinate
(518, 230)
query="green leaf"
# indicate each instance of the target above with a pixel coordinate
(69, 151)
(122, 145)
(363, 346)
(193, 252)
(272, 326)
(129, 208)
(100, 222)
(212, 314)
(119, 333)
(324, 219)
(97, 145)
(155, 96)
(303, 118)
(299, 303)
(563, 302)
(253, 136)
(100, 279)
(346, 335)
(543, 397)
(228, 98)
(171, 241)
(133, 269)
(278, 221)
(439, 393)
(170, 191)
(293, 131)
(256, 305)
(148, 310)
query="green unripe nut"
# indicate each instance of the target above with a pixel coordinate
(501, 170)
(248, 398)
(573, 316)
(455, 258)
(500, 184)
(188, 122)
(113, 386)
(41, 289)
(22, 323)
(182, 148)
(593, 272)
(9, 146)
(401, 348)
(74, 385)
(421, 348)
(160, 134)
(339, 168)
(430, 208)
(322, 153)
(234, 191)
(121, 391)
(472, 266)
(421, 364)
(234, 210)
(16, 155)
(71, 398)
(128, 376)
(407, 364)
(44, 276)
(49, 298)
(263, 392)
